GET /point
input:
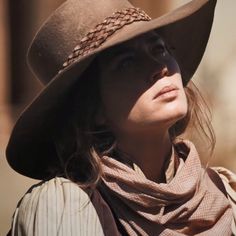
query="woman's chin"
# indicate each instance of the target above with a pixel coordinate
(171, 118)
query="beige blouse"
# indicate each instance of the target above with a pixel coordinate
(60, 207)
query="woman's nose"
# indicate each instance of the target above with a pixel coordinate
(159, 72)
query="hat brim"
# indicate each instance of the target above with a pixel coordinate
(31, 150)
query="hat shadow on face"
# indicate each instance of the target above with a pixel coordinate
(31, 150)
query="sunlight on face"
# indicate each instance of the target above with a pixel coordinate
(141, 86)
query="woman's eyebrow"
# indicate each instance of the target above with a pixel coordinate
(118, 52)
(154, 39)
(122, 50)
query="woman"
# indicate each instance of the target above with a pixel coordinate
(104, 134)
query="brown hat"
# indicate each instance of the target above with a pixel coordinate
(66, 45)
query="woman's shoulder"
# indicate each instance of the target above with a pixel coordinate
(56, 206)
(56, 192)
(228, 179)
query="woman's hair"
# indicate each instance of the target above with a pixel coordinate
(81, 142)
(197, 123)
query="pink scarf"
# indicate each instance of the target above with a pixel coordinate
(190, 204)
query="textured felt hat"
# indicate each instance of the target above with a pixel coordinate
(68, 42)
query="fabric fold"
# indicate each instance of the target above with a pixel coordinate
(190, 204)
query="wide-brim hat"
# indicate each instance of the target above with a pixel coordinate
(68, 42)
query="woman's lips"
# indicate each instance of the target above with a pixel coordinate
(167, 91)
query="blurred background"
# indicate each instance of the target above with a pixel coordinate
(20, 19)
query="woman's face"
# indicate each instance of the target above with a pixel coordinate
(141, 86)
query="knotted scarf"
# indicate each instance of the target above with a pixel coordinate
(190, 204)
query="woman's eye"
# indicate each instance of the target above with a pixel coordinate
(126, 62)
(159, 50)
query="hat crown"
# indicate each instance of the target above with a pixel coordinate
(63, 30)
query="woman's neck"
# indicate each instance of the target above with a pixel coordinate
(149, 152)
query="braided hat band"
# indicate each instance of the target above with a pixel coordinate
(97, 36)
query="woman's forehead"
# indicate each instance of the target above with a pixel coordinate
(144, 38)
(150, 37)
